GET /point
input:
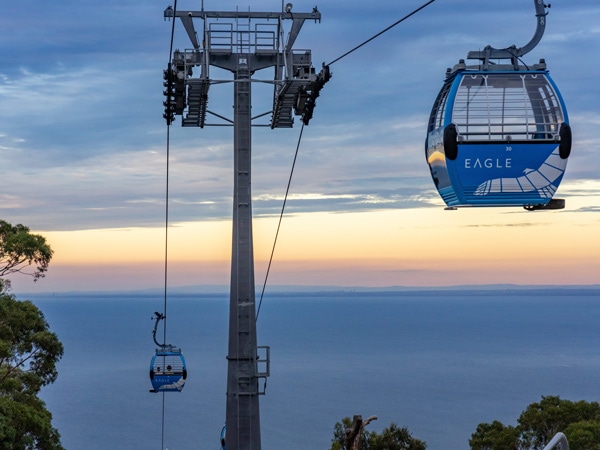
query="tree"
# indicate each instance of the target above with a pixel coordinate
(339, 435)
(391, 438)
(19, 251)
(395, 438)
(29, 352)
(491, 436)
(541, 421)
(537, 425)
(584, 435)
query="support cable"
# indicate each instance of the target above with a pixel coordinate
(165, 276)
(383, 31)
(279, 224)
(166, 264)
(300, 138)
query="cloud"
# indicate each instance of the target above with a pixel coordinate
(83, 142)
(592, 209)
(68, 115)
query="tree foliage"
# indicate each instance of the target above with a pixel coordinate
(29, 352)
(537, 425)
(22, 252)
(339, 435)
(391, 438)
(395, 438)
(584, 435)
(495, 435)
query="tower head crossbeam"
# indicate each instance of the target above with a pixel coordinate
(255, 40)
(298, 20)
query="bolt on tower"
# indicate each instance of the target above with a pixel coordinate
(243, 43)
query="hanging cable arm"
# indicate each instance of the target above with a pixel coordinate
(383, 31)
(157, 318)
(513, 53)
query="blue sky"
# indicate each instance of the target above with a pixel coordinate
(82, 139)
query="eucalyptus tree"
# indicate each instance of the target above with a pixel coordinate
(29, 351)
(22, 252)
(539, 422)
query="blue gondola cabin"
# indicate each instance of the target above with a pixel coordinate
(168, 371)
(498, 137)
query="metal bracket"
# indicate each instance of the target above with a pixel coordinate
(296, 84)
(263, 366)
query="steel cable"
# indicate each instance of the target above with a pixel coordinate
(166, 255)
(383, 31)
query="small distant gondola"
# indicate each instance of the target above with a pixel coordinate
(499, 134)
(168, 371)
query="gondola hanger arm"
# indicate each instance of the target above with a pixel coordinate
(513, 52)
(157, 318)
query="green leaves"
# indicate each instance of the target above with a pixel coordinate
(29, 352)
(22, 252)
(495, 435)
(391, 438)
(537, 425)
(584, 435)
(395, 438)
(26, 424)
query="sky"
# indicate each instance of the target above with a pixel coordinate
(83, 151)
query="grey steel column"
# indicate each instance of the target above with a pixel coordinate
(242, 415)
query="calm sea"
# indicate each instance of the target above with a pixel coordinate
(436, 362)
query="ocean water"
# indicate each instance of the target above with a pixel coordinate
(437, 362)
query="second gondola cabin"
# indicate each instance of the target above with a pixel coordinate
(498, 137)
(168, 371)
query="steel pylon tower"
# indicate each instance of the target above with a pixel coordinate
(243, 43)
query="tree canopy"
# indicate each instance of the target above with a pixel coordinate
(29, 352)
(395, 438)
(391, 438)
(539, 422)
(22, 252)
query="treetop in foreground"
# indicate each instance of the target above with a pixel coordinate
(390, 438)
(29, 352)
(22, 252)
(539, 422)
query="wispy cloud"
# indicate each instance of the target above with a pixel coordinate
(82, 140)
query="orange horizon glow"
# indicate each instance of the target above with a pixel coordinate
(409, 247)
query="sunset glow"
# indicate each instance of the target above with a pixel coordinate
(362, 208)
(412, 247)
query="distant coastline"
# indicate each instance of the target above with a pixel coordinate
(337, 291)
